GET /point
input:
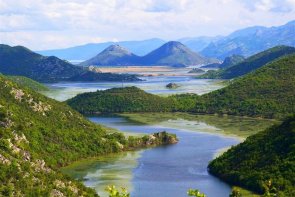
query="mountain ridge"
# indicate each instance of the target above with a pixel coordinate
(21, 61)
(172, 53)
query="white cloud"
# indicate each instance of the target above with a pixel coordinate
(42, 24)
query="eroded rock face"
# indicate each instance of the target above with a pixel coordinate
(36, 106)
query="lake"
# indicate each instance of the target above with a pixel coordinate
(165, 170)
(155, 84)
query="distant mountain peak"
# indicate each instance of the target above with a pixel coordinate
(117, 48)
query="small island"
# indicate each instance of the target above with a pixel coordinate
(172, 85)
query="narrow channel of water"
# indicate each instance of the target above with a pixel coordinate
(163, 171)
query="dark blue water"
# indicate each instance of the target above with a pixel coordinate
(169, 171)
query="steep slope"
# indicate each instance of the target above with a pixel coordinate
(38, 135)
(23, 62)
(251, 40)
(27, 82)
(88, 51)
(250, 64)
(267, 92)
(265, 158)
(113, 55)
(174, 53)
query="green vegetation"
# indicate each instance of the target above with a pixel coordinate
(21, 61)
(250, 64)
(113, 192)
(268, 92)
(129, 99)
(27, 82)
(38, 135)
(264, 163)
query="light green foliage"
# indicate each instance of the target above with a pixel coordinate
(195, 193)
(113, 192)
(235, 193)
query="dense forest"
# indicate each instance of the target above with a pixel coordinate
(250, 64)
(264, 161)
(38, 135)
(128, 99)
(266, 93)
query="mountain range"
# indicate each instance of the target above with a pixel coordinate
(21, 61)
(172, 53)
(245, 42)
(251, 40)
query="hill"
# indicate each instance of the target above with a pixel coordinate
(38, 135)
(250, 64)
(128, 99)
(174, 53)
(87, 51)
(267, 92)
(227, 62)
(113, 55)
(266, 159)
(23, 62)
(249, 41)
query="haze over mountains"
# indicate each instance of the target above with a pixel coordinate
(172, 53)
(21, 61)
(245, 42)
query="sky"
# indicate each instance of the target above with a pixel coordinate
(51, 24)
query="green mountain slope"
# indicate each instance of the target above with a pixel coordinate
(23, 62)
(267, 92)
(250, 64)
(267, 155)
(38, 135)
(27, 82)
(129, 99)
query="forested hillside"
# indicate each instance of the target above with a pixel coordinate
(267, 92)
(265, 161)
(38, 135)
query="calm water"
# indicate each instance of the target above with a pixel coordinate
(155, 85)
(162, 171)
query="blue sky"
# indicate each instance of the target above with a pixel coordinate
(47, 24)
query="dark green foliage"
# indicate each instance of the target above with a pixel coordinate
(129, 99)
(23, 62)
(250, 64)
(267, 92)
(266, 157)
